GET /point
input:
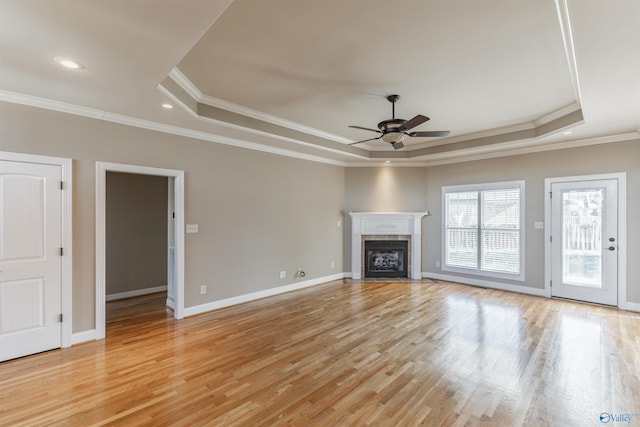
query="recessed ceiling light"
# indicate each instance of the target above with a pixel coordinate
(568, 132)
(68, 63)
(167, 105)
(387, 161)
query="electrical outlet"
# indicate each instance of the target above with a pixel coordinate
(203, 289)
(283, 274)
(437, 263)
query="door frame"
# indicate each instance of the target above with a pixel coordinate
(621, 177)
(66, 280)
(101, 203)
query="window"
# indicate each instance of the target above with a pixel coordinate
(483, 229)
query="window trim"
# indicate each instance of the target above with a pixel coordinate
(505, 185)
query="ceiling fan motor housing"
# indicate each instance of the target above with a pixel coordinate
(390, 124)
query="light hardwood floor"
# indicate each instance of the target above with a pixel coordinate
(344, 353)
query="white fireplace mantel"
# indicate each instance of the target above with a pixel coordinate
(385, 224)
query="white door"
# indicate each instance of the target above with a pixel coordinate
(30, 261)
(584, 240)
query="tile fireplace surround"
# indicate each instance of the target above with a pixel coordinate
(387, 225)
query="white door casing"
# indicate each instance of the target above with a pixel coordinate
(171, 246)
(33, 291)
(178, 273)
(586, 239)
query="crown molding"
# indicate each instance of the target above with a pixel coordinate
(506, 151)
(47, 104)
(176, 75)
(558, 114)
(280, 137)
(192, 90)
(475, 135)
(564, 20)
(185, 84)
(176, 100)
(477, 153)
(503, 150)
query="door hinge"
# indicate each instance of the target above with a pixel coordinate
(61, 251)
(550, 283)
(550, 194)
(62, 185)
(551, 239)
(60, 317)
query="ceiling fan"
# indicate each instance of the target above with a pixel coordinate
(394, 130)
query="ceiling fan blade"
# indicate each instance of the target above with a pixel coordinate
(410, 124)
(360, 127)
(430, 134)
(398, 145)
(364, 140)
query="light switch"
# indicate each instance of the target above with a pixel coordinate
(192, 228)
(538, 225)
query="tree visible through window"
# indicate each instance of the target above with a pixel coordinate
(483, 229)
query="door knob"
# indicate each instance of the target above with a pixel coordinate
(612, 248)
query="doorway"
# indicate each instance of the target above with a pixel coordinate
(137, 238)
(586, 239)
(175, 256)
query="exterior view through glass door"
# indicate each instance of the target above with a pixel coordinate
(584, 241)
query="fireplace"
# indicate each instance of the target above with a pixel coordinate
(387, 226)
(386, 258)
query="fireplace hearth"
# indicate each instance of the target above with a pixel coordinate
(386, 258)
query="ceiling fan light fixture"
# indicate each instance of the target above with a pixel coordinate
(393, 136)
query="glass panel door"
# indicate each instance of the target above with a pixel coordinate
(584, 256)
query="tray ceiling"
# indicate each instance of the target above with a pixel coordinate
(290, 77)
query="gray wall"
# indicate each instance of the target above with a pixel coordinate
(136, 232)
(258, 213)
(386, 189)
(420, 189)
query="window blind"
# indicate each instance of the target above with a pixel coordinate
(482, 229)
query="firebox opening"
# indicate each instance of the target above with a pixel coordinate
(386, 258)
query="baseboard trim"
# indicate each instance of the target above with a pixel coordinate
(484, 283)
(84, 336)
(216, 305)
(633, 306)
(136, 293)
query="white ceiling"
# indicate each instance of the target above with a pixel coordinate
(289, 76)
